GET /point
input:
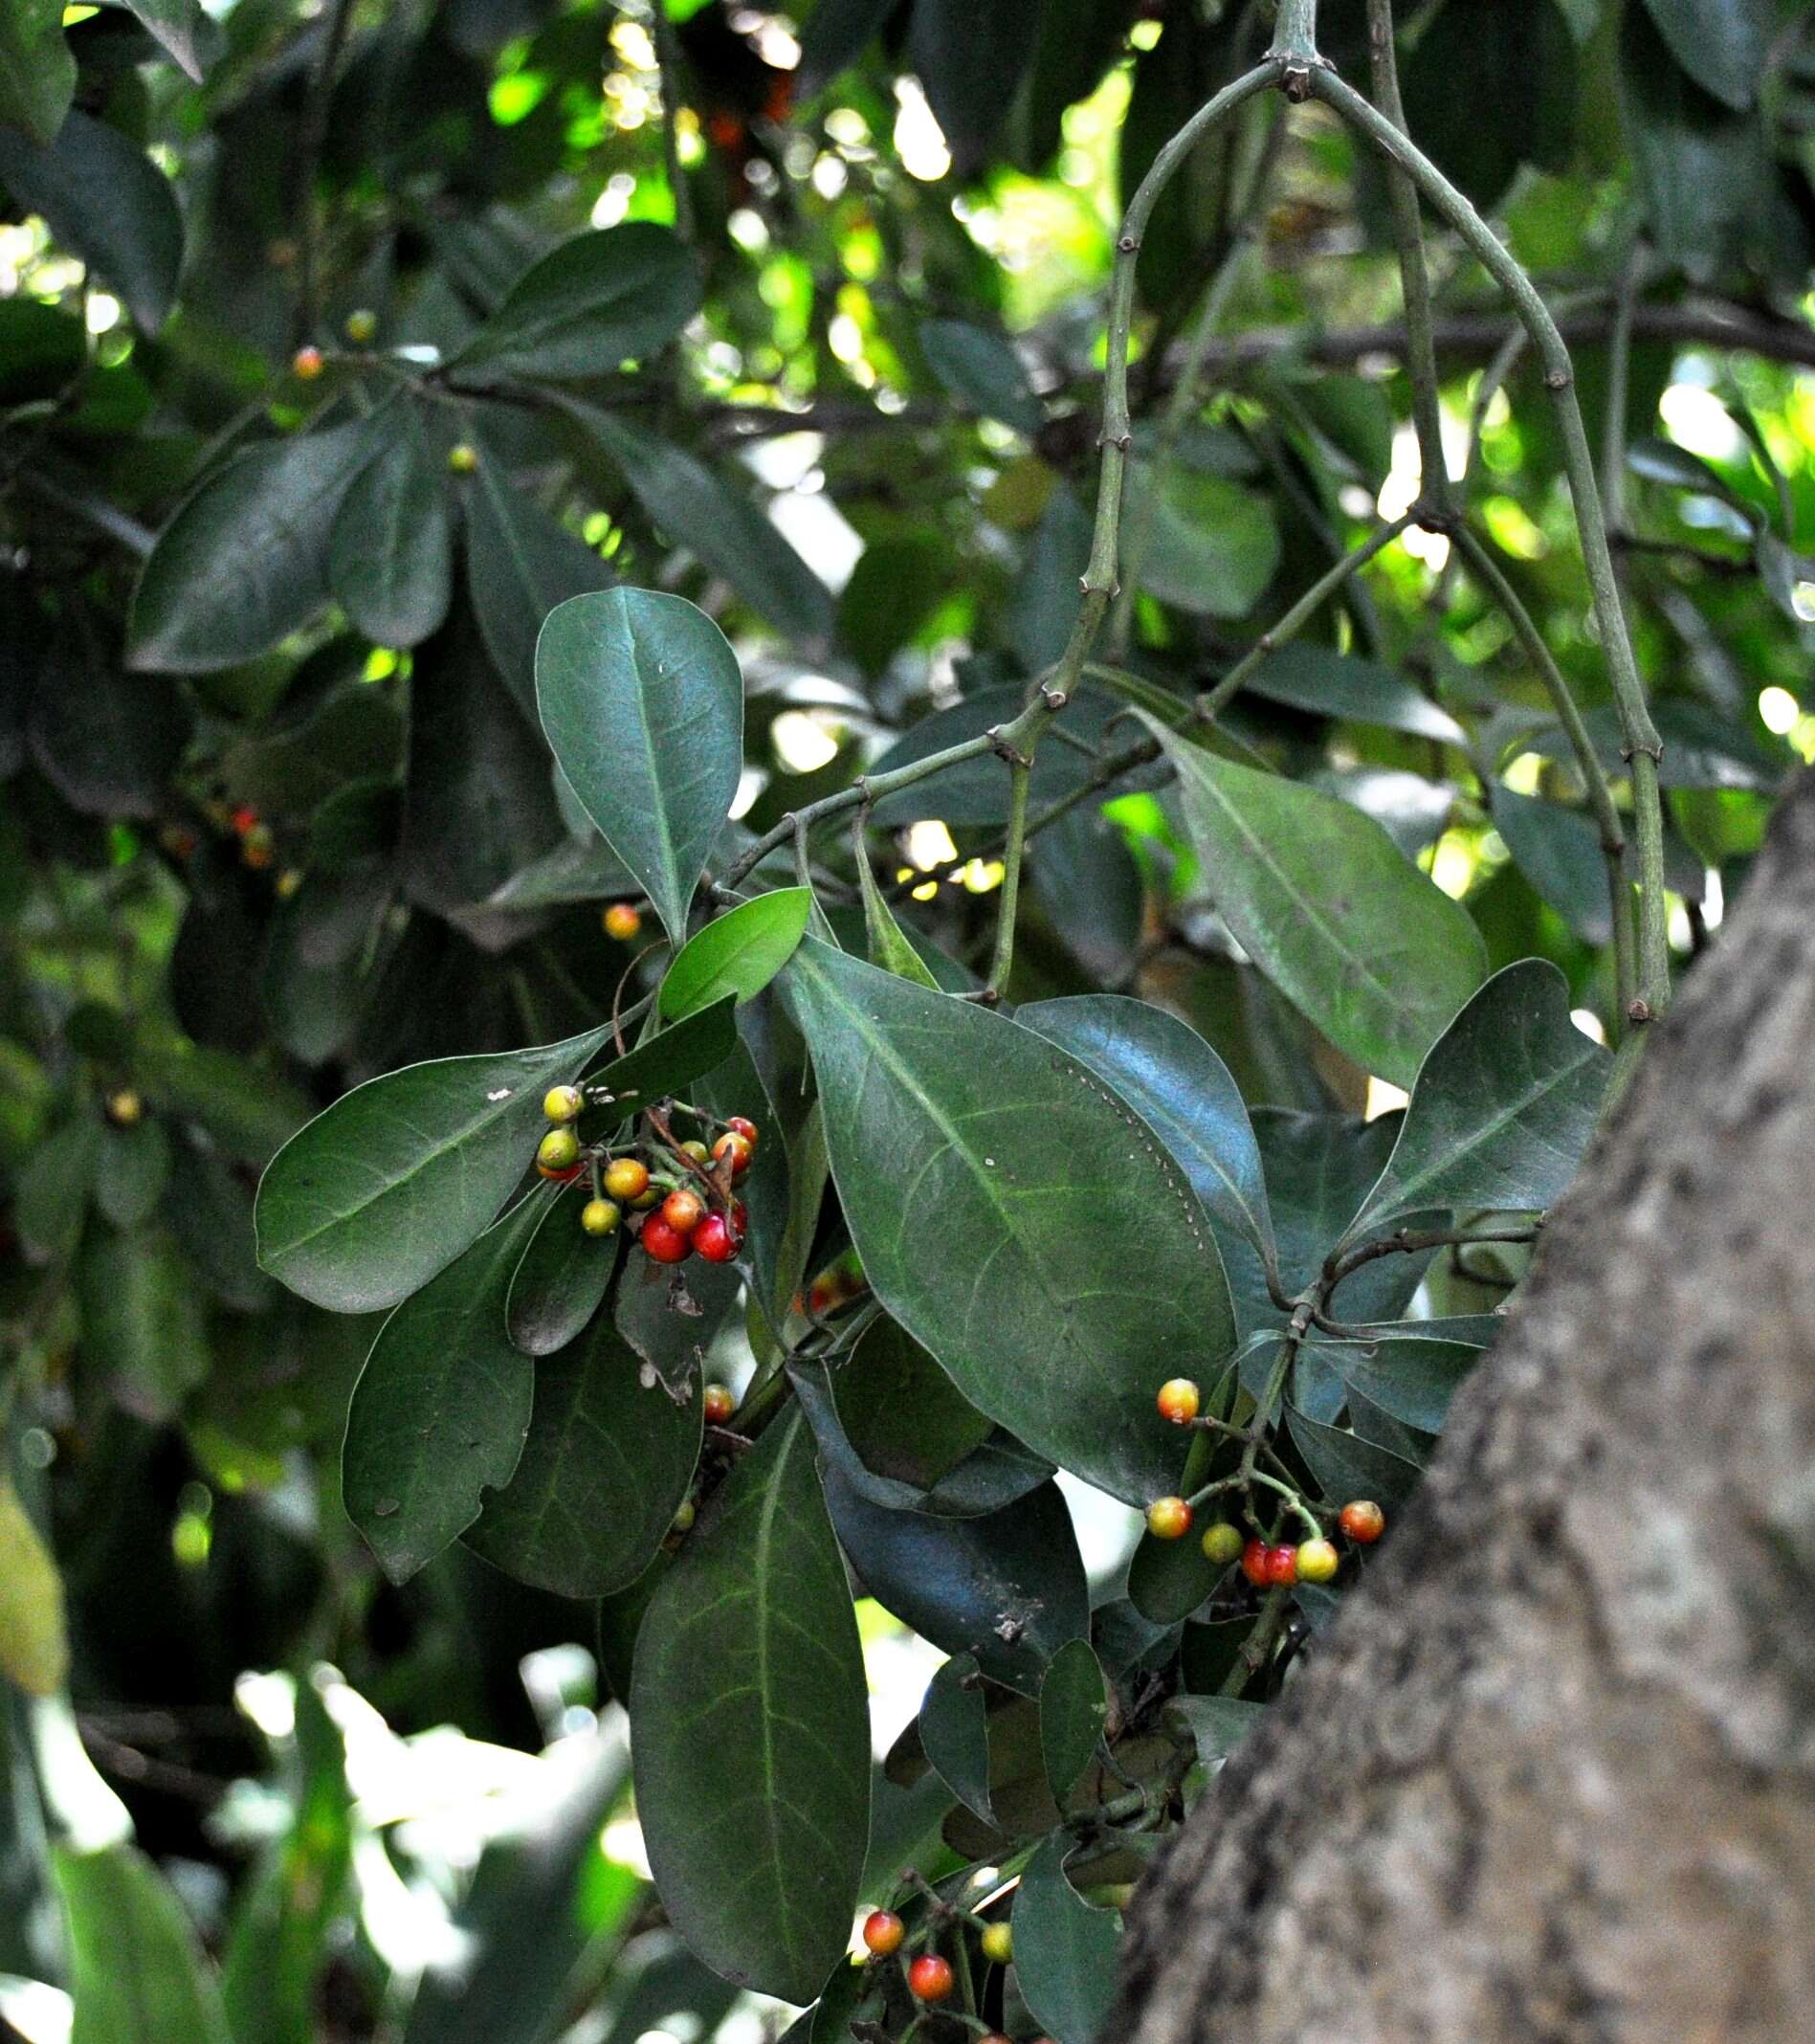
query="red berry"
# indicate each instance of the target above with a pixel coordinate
(1168, 1518)
(560, 1176)
(1254, 1562)
(739, 1125)
(717, 1239)
(720, 1404)
(1178, 1401)
(244, 818)
(683, 1211)
(1282, 1567)
(662, 1243)
(930, 1978)
(883, 1931)
(737, 1147)
(1362, 1520)
(307, 364)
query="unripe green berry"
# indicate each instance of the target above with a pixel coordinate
(562, 1103)
(601, 1217)
(559, 1149)
(361, 326)
(998, 1944)
(1223, 1543)
(463, 458)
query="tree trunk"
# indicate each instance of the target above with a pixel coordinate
(1553, 1773)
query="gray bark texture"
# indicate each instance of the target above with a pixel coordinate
(1552, 1774)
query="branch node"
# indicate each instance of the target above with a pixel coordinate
(1639, 1013)
(1055, 698)
(1558, 378)
(1003, 751)
(1127, 244)
(1654, 752)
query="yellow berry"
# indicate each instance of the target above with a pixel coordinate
(697, 1151)
(1168, 1518)
(626, 1178)
(685, 1517)
(361, 326)
(463, 457)
(1317, 1560)
(600, 1216)
(125, 1108)
(558, 1149)
(562, 1103)
(998, 1944)
(1178, 1401)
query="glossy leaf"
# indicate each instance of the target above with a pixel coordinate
(603, 1470)
(1074, 1709)
(1337, 685)
(670, 1062)
(903, 1414)
(1217, 1724)
(392, 1182)
(983, 373)
(1168, 1579)
(1214, 545)
(752, 1753)
(954, 1726)
(1180, 1087)
(1064, 1950)
(38, 71)
(1006, 1206)
(1723, 44)
(594, 302)
(732, 536)
(1344, 1466)
(1502, 1109)
(737, 955)
(116, 1901)
(643, 702)
(1477, 132)
(1413, 1380)
(103, 197)
(1318, 895)
(390, 558)
(558, 1286)
(1008, 1587)
(885, 940)
(244, 561)
(442, 1406)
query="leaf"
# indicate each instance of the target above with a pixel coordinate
(52, 1189)
(442, 1408)
(836, 35)
(1415, 1380)
(108, 741)
(605, 1469)
(1008, 1586)
(983, 373)
(185, 29)
(37, 71)
(1214, 545)
(900, 584)
(970, 56)
(137, 1973)
(885, 940)
(1008, 1211)
(1180, 1087)
(1329, 683)
(752, 1754)
(390, 558)
(399, 1176)
(1344, 1466)
(34, 1644)
(142, 1325)
(739, 954)
(1723, 44)
(1064, 1950)
(1456, 101)
(1073, 1710)
(1502, 1109)
(244, 561)
(643, 702)
(134, 1166)
(901, 1414)
(1318, 895)
(102, 197)
(588, 306)
(559, 1285)
(954, 1725)
(730, 536)
(1217, 1724)
(1558, 852)
(1168, 1579)
(1043, 604)
(520, 563)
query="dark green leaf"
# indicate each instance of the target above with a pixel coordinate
(658, 1985)
(1662, 461)
(244, 561)
(1180, 1087)
(1074, 1709)
(1558, 852)
(607, 1461)
(835, 37)
(579, 870)
(142, 1322)
(594, 302)
(1003, 1202)
(983, 373)
(1344, 1466)
(643, 703)
(1218, 1724)
(134, 1169)
(1318, 895)
(391, 561)
(185, 29)
(519, 564)
(1168, 1579)
(955, 1732)
(1092, 889)
(732, 536)
(1456, 98)
(1064, 1950)
(1413, 1380)
(556, 1288)
(903, 1414)
(1338, 684)
(1502, 1109)
(899, 583)
(37, 72)
(753, 1737)
(1043, 605)
(107, 740)
(1008, 1586)
(321, 939)
(442, 1406)
(137, 1973)
(105, 199)
(970, 56)
(400, 1175)
(670, 1062)
(1214, 545)
(1723, 44)
(737, 955)
(52, 1188)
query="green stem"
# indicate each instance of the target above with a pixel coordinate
(1296, 34)
(1640, 735)
(1213, 701)
(1258, 1644)
(1619, 384)
(1421, 351)
(668, 75)
(1020, 775)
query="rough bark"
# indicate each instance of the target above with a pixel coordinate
(1552, 1775)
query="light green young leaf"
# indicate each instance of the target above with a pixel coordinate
(137, 1971)
(739, 954)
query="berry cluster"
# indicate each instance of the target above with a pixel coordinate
(681, 1189)
(930, 1975)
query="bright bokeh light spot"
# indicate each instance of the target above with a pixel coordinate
(929, 844)
(634, 44)
(269, 1700)
(1404, 485)
(1507, 521)
(1523, 774)
(751, 783)
(845, 338)
(1453, 864)
(981, 875)
(102, 312)
(802, 743)
(622, 1844)
(919, 141)
(1701, 423)
(1383, 1097)
(614, 201)
(1589, 1024)
(1779, 711)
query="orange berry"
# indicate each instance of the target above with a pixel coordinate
(1178, 1401)
(307, 364)
(720, 1404)
(738, 1149)
(1362, 1520)
(626, 1178)
(1168, 1518)
(883, 1932)
(930, 1978)
(683, 1211)
(622, 921)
